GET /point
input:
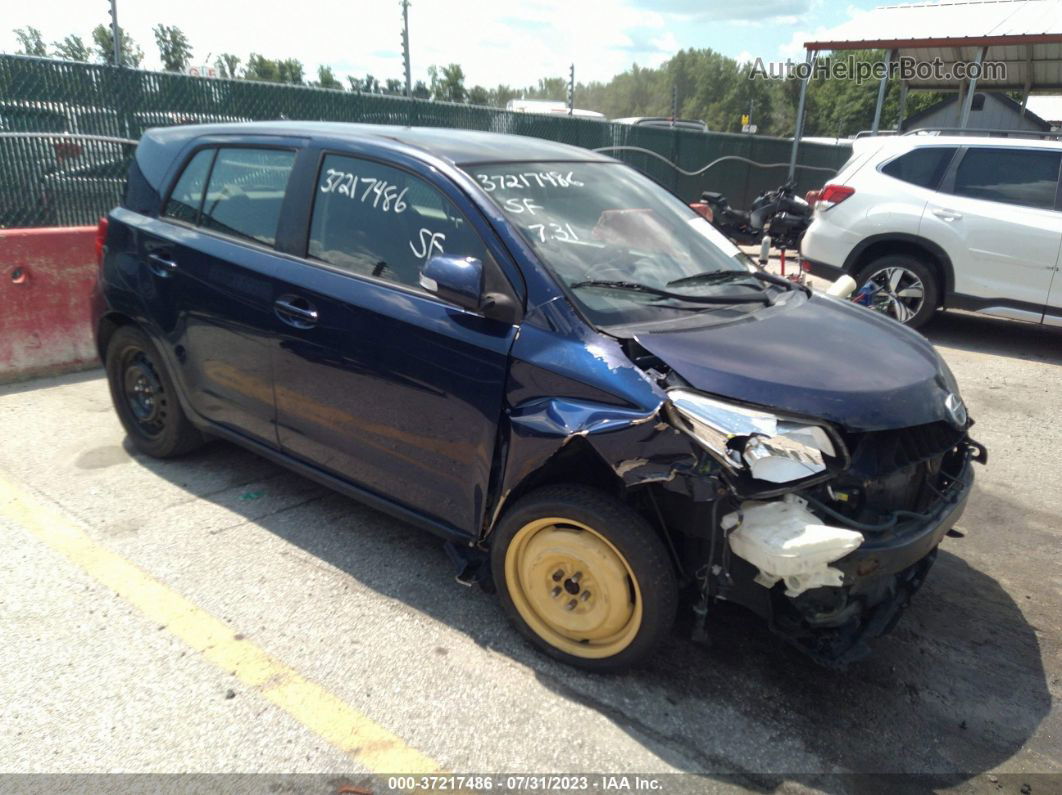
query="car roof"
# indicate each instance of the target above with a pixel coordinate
(896, 143)
(460, 147)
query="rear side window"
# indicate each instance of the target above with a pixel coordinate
(923, 167)
(246, 191)
(187, 194)
(1014, 176)
(374, 220)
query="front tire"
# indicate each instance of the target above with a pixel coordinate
(145, 398)
(906, 288)
(584, 577)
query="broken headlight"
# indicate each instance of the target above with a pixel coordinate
(764, 445)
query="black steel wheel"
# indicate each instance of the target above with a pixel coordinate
(145, 398)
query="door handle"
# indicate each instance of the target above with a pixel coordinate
(947, 215)
(295, 311)
(161, 265)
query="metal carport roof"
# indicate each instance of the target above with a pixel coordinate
(1025, 36)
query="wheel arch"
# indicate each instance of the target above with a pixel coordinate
(575, 463)
(899, 243)
(579, 462)
(105, 328)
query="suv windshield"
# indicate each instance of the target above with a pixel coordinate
(626, 249)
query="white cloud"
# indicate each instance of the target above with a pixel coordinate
(509, 41)
(757, 12)
(794, 48)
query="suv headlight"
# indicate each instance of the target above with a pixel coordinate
(765, 445)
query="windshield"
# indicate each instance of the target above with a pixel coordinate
(618, 241)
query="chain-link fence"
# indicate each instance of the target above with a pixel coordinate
(67, 131)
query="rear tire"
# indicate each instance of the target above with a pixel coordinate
(145, 398)
(908, 291)
(584, 577)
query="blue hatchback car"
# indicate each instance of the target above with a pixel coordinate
(540, 355)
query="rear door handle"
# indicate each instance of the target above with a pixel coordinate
(295, 311)
(946, 215)
(161, 265)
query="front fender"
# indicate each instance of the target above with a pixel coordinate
(573, 393)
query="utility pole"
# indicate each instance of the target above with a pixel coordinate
(116, 34)
(571, 90)
(405, 45)
(674, 103)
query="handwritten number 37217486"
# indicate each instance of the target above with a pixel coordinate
(379, 192)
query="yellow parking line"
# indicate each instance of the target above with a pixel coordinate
(366, 741)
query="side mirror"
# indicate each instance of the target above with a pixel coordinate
(459, 281)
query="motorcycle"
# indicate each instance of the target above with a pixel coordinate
(777, 219)
(779, 214)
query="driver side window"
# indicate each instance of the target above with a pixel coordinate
(374, 220)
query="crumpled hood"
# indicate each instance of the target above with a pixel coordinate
(819, 357)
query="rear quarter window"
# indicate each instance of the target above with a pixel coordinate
(187, 194)
(922, 167)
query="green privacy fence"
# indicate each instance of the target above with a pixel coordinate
(66, 130)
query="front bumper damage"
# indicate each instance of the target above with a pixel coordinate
(833, 623)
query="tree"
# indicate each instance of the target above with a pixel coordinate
(370, 85)
(228, 65)
(421, 90)
(478, 95)
(500, 95)
(448, 84)
(287, 70)
(30, 41)
(395, 86)
(131, 54)
(261, 68)
(326, 79)
(555, 88)
(174, 50)
(290, 71)
(72, 48)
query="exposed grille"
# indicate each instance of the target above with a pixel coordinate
(881, 452)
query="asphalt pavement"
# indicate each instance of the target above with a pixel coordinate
(217, 614)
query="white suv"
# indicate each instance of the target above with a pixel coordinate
(927, 221)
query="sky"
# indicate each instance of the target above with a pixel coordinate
(504, 41)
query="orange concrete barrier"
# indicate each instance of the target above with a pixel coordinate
(46, 279)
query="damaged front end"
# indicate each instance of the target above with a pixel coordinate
(826, 533)
(823, 526)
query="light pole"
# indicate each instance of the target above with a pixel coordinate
(405, 45)
(116, 35)
(571, 90)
